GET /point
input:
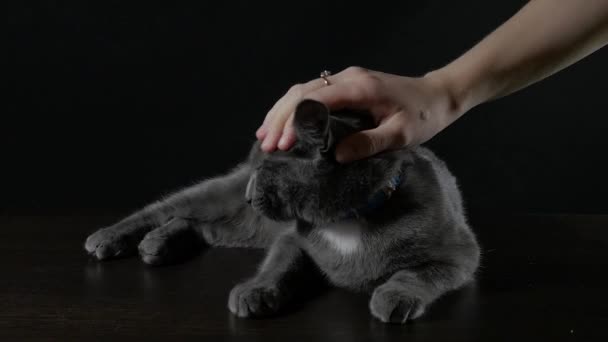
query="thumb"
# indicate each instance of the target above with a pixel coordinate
(366, 143)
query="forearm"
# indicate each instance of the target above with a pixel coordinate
(544, 37)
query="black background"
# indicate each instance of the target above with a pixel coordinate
(111, 104)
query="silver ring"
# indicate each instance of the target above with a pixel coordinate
(324, 75)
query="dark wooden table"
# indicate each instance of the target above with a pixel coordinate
(544, 278)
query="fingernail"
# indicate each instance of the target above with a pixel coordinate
(344, 154)
(341, 157)
(267, 145)
(282, 142)
(261, 132)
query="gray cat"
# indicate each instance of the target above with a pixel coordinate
(392, 225)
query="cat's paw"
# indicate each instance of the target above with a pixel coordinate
(251, 299)
(159, 249)
(175, 241)
(393, 305)
(154, 250)
(108, 243)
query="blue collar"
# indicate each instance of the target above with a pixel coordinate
(378, 199)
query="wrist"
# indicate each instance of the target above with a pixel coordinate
(468, 82)
(447, 99)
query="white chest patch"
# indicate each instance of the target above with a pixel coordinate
(344, 236)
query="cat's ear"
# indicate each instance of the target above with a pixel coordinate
(311, 122)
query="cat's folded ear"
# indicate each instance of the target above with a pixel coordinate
(312, 123)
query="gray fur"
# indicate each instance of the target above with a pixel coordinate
(406, 254)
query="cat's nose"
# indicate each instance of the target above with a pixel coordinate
(250, 191)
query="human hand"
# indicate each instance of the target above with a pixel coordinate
(408, 111)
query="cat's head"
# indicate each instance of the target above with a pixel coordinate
(306, 182)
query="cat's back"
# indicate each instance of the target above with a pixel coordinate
(436, 179)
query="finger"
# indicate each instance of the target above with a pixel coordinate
(337, 96)
(261, 132)
(269, 143)
(367, 143)
(289, 135)
(273, 125)
(276, 121)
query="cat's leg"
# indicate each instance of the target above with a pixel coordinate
(213, 213)
(407, 293)
(182, 238)
(212, 200)
(285, 274)
(122, 238)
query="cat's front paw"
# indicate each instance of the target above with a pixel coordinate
(173, 242)
(252, 299)
(393, 305)
(109, 243)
